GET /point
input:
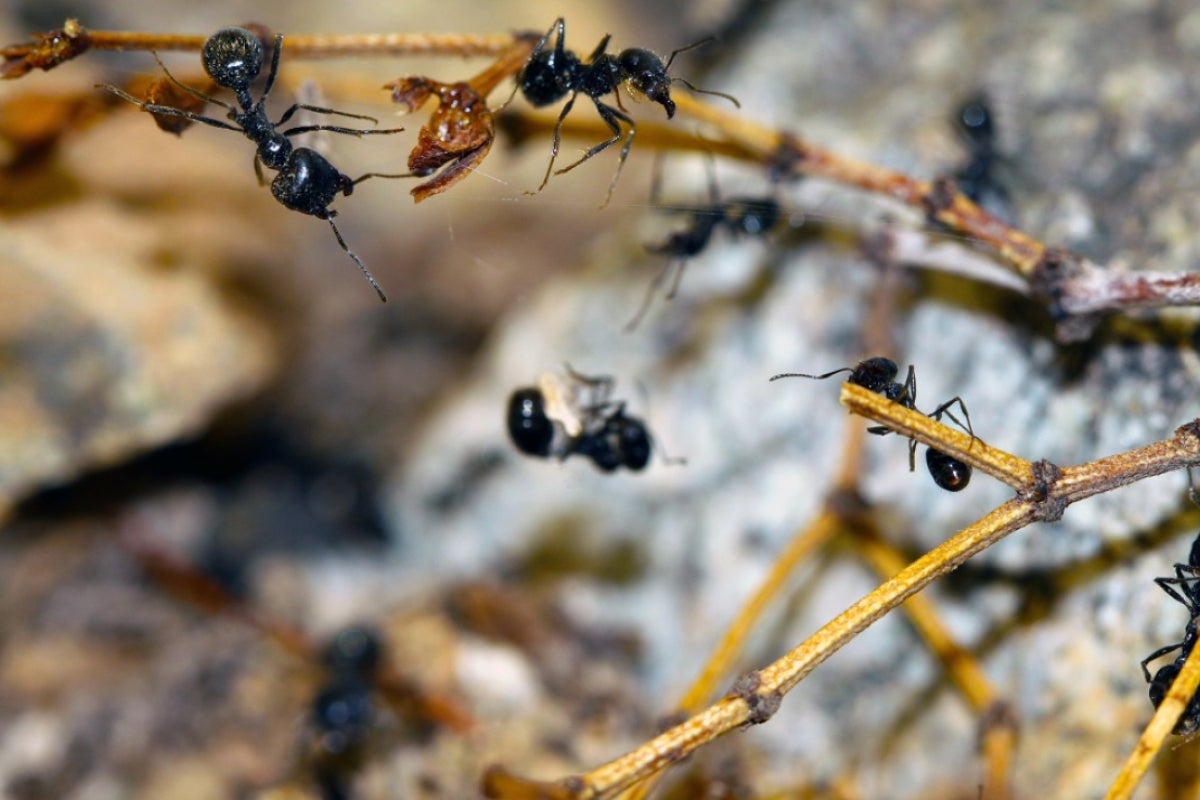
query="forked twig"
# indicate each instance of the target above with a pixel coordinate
(756, 696)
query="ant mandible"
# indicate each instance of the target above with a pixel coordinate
(1187, 578)
(305, 180)
(549, 75)
(878, 374)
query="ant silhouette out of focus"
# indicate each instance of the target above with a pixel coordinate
(343, 713)
(1187, 579)
(741, 216)
(878, 374)
(551, 74)
(305, 180)
(561, 419)
(978, 177)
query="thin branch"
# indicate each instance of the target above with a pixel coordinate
(1016, 472)
(1160, 727)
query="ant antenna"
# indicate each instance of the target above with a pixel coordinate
(689, 84)
(366, 272)
(814, 377)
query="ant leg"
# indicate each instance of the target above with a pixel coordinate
(600, 48)
(196, 93)
(363, 177)
(657, 282)
(274, 70)
(556, 140)
(258, 170)
(1186, 584)
(155, 108)
(366, 272)
(610, 116)
(944, 409)
(359, 132)
(910, 389)
(1162, 651)
(320, 110)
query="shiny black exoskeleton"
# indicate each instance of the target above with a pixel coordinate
(528, 426)
(607, 436)
(305, 180)
(741, 216)
(1187, 579)
(551, 74)
(343, 713)
(978, 178)
(622, 441)
(947, 471)
(878, 374)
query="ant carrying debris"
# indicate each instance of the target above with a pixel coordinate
(878, 375)
(741, 216)
(1187, 578)
(305, 180)
(561, 419)
(551, 74)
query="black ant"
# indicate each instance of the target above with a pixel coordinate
(977, 178)
(741, 216)
(305, 180)
(343, 712)
(551, 74)
(1187, 578)
(559, 420)
(878, 374)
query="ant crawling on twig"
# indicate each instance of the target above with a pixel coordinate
(551, 74)
(576, 417)
(1187, 579)
(741, 216)
(878, 374)
(305, 180)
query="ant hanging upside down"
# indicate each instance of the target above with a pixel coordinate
(575, 417)
(878, 374)
(305, 180)
(741, 216)
(551, 74)
(1187, 578)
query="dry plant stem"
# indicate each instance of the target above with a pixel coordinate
(962, 668)
(756, 696)
(1160, 727)
(325, 46)
(1016, 472)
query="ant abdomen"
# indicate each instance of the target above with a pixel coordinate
(308, 183)
(548, 76)
(233, 57)
(947, 471)
(531, 430)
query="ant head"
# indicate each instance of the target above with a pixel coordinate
(355, 649)
(528, 426)
(647, 73)
(233, 57)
